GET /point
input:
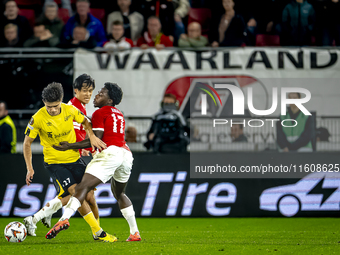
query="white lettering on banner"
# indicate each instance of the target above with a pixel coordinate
(193, 190)
(154, 179)
(176, 194)
(214, 198)
(7, 203)
(106, 187)
(34, 202)
(27, 199)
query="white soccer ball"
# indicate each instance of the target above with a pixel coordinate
(15, 232)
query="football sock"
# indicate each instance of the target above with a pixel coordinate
(54, 205)
(129, 215)
(91, 220)
(98, 221)
(72, 206)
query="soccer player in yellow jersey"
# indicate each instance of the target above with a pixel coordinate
(54, 123)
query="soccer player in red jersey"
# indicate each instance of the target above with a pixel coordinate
(83, 87)
(113, 163)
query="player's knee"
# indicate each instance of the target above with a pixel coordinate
(90, 197)
(72, 189)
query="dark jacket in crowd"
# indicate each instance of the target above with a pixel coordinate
(298, 21)
(90, 43)
(55, 26)
(166, 14)
(235, 35)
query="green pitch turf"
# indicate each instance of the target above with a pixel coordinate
(188, 236)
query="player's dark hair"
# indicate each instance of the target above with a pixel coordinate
(84, 80)
(115, 92)
(53, 92)
(3, 102)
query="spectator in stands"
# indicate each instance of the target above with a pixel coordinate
(298, 21)
(8, 132)
(194, 37)
(153, 37)
(181, 8)
(236, 133)
(117, 38)
(133, 21)
(51, 20)
(66, 4)
(42, 37)
(81, 38)
(164, 10)
(322, 134)
(168, 132)
(327, 22)
(269, 22)
(11, 16)
(296, 138)
(231, 28)
(11, 36)
(84, 18)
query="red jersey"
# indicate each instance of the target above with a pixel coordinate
(78, 128)
(162, 39)
(110, 120)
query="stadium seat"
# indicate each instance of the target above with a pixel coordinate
(58, 2)
(99, 14)
(202, 16)
(28, 2)
(267, 40)
(29, 14)
(63, 14)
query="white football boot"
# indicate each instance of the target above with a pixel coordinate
(28, 222)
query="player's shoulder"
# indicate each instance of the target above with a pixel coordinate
(68, 107)
(39, 115)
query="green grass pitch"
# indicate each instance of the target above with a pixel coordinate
(188, 236)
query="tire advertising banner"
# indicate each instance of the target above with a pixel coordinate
(161, 186)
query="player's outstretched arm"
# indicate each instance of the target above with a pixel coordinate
(95, 141)
(28, 159)
(64, 146)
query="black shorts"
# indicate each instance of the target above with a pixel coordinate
(65, 175)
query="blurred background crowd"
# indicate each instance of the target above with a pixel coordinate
(124, 24)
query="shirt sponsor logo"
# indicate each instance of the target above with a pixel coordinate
(67, 117)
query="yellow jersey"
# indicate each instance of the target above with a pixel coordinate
(55, 129)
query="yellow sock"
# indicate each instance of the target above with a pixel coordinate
(91, 220)
(98, 221)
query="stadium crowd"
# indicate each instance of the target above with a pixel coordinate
(122, 24)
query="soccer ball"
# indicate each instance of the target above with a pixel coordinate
(15, 232)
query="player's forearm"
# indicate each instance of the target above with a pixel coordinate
(80, 145)
(88, 128)
(28, 155)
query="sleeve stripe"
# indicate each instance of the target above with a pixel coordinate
(101, 129)
(78, 128)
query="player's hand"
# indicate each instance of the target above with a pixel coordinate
(85, 153)
(96, 142)
(29, 176)
(63, 146)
